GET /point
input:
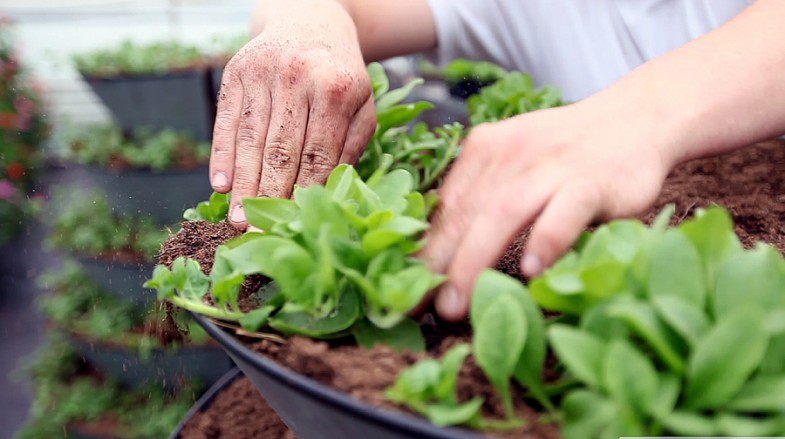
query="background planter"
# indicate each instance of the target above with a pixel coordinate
(466, 88)
(162, 195)
(447, 108)
(207, 399)
(120, 279)
(315, 411)
(177, 100)
(171, 368)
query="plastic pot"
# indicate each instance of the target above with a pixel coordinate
(179, 100)
(120, 279)
(74, 432)
(163, 195)
(315, 411)
(169, 367)
(216, 75)
(204, 402)
(447, 109)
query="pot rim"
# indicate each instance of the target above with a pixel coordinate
(398, 421)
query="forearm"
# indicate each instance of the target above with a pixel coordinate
(384, 28)
(721, 91)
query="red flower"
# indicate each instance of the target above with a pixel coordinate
(15, 171)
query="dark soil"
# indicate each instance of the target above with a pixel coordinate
(749, 183)
(238, 411)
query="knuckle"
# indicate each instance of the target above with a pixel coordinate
(295, 66)
(249, 138)
(317, 159)
(339, 87)
(279, 155)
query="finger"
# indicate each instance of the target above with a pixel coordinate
(458, 203)
(328, 122)
(490, 233)
(284, 144)
(567, 214)
(252, 127)
(360, 131)
(227, 119)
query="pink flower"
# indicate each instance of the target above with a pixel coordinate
(7, 190)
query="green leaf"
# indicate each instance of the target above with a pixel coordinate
(445, 415)
(400, 115)
(163, 282)
(586, 414)
(628, 376)
(642, 319)
(378, 79)
(257, 318)
(395, 97)
(668, 392)
(738, 426)
(452, 362)
(499, 338)
(725, 358)
(405, 336)
(689, 321)
(677, 270)
(303, 323)
(761, 394)
(266, 212)
(712, 234)
(752, 278)
(581, 352)
(774, 360)
(685, 423)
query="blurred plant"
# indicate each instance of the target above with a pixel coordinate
(511, 95)
(65, 393)
(23, 128)
(77, 304)
(105, 145)
(223, 47)
(87, 225)
(465, 70)
(132, 58)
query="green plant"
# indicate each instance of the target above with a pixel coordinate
(511, 95)
(214, 210)
(131, 58)
(65, 394)
(335, 254)
(425, 154)
(106, 146)
(508, 343)
(465, 70)
(669, 331)
(87, 225)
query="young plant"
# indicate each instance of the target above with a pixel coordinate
(429, 387)
(669, 331)
(511, 95)
(337, 254)
(213, 210)
(425, 154)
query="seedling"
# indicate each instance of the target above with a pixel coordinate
(130, 58)
(513, 94)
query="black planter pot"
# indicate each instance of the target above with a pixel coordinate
(77, 433)
(121, 280)
(176, 100)
(171, 368)
(447, 109)
(206, 399)
(216, 75)
(315, 411)
(163, 195)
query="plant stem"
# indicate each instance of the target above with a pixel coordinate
(206, 310)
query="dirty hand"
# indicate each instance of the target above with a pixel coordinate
(295, 102)
(557, 169)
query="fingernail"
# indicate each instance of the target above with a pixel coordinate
(254, 229)
(220, 180)
(532, 266)
(449, 302)
(238, 214)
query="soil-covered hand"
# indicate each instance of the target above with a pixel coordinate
(294, 102)
(557, 169)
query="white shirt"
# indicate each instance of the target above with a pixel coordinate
(581, 46)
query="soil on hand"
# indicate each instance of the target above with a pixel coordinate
(748, 182)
